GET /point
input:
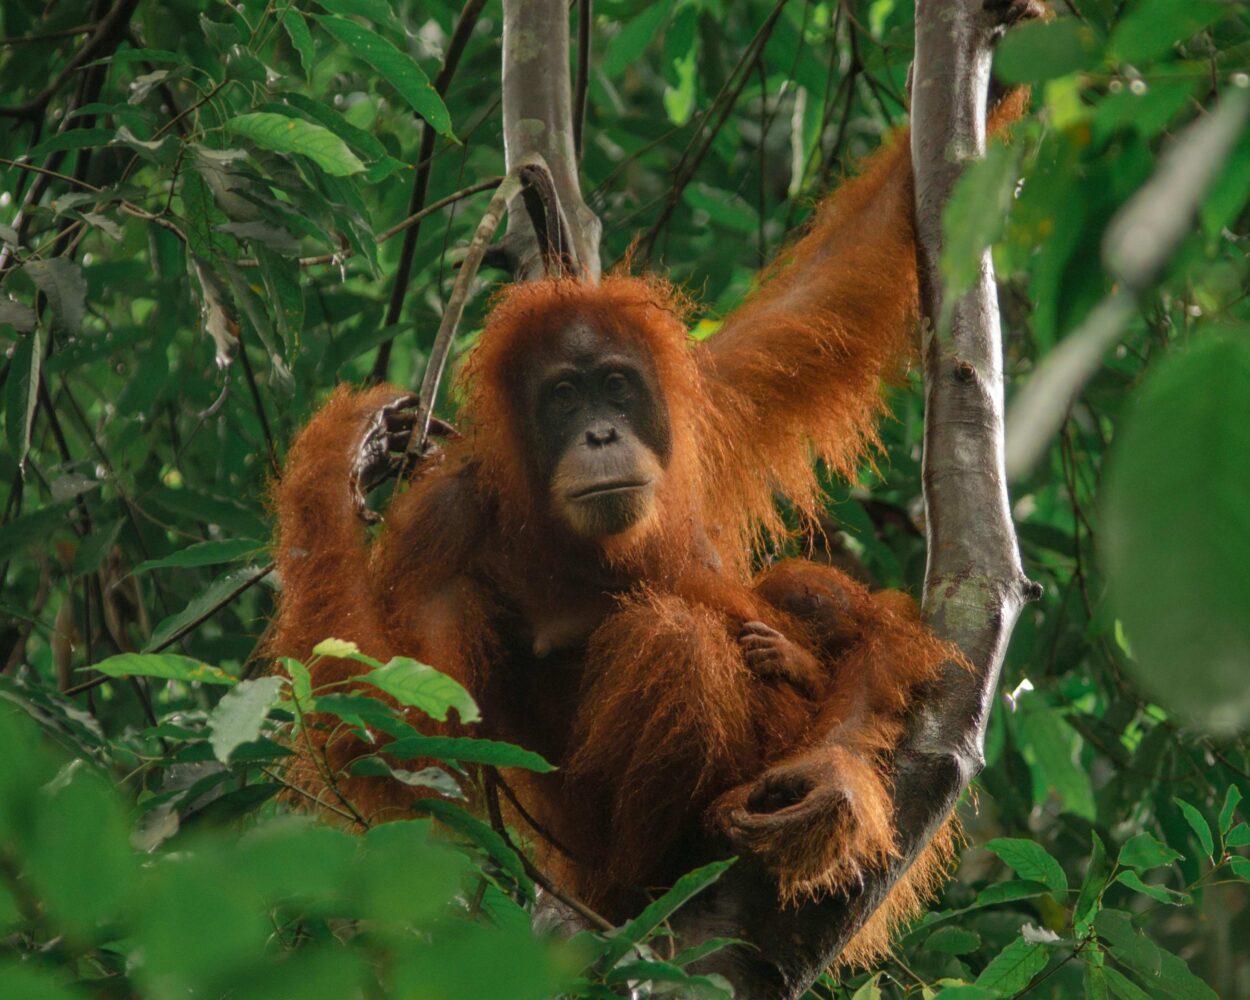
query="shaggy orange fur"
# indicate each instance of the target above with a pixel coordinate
(666, 741)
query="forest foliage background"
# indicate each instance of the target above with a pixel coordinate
(202, 211)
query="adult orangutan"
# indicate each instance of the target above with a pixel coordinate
(581, 560)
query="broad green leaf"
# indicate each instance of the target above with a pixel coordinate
(364, 143)
(1096, 875)
(725, 207)
(1014, 967)
(78, 138)
(953, 941)
(1238, 836)
(301, 38)
(1199, 825)
(34, 982)
(1240, 867)
(205, 554)
(1159, 892)
(417, 685)
(96, 546)
(364, 713)
(21, 394)
(1095, 983)
(61, 280)
(976, 215)
(377, 11)
(1156, 966)
(241, 713)
(167, 666)
(78, 858)
(488, 839)
(338, 648)
(1030, 861)
(1175, 514)
(632, 40)
(1229, 810)
(468, 751)
(301, 682)
(1152, 27)
(1042, 50)
(683, 890)
(1122, 986)
(294, 135)
(694, 987)
(1010, 891)
(397, 68)
(1144, 851)
(434, 779)
(211, 600)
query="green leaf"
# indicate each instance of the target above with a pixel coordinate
(683, 890)
(976, 215)
(953, 941)
(632, 40)
(1176, 515)
(1199, 825)
(1009, 892)
(1096, 875)
(205, 554)
(1156, 966)
(294, 135)
(1238, 836)
(61, 280)
(166, 666)
(1144, 851)
(364, 713)
(1240, 867)
(475, 830)
(363, 142)
(1037, 51)
(301, 39)
(78, 138)
(337, 648)
(96, 546)
(1014, 967)
(1123, 987)
(241, 713)
(1159, 892)
(33, 982)
(417, 685)
(377, 11)
(468, 751)
(212, 599)
(433, 778)
(397, 68)
(1030, 861)
(1152, 27)
(725, 207)
(1229, 810)
(21, 394)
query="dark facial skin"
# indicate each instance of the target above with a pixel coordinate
(599, 431)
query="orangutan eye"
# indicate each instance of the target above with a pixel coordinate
(616, 386)
(565, 395)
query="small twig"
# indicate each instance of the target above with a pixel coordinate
(496, 820)
(82, 29)
(506, 191)
(533, 824)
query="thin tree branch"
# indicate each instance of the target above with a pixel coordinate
(582, 85)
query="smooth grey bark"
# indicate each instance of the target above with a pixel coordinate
(974, 584)
(538, 118)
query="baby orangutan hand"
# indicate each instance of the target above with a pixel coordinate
(772, 656)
